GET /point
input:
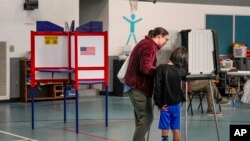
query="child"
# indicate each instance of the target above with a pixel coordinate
(168, 93)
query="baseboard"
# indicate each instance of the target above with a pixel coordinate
(10, 100)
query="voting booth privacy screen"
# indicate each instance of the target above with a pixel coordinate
(90, 55)
(202, 51)
(85, 53)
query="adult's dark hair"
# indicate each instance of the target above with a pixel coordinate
(180, 57)
(157, 31)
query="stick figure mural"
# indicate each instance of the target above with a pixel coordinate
(132, 21)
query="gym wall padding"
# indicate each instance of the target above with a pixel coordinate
(223, 25)
(242, 29)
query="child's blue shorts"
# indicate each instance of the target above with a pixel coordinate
(171, 118)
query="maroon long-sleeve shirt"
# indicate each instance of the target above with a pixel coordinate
(142, 66)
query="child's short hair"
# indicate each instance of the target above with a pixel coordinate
(180, 57)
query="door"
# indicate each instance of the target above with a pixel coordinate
(14, 78)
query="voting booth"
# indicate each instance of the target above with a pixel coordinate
(203, 61)
(80, 58)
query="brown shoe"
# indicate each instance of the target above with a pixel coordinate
(224, 101)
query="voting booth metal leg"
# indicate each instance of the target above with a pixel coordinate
(216, 122)
(65, 104)
(106, 107)
(77, 116)
(186, 115)
(32, 92)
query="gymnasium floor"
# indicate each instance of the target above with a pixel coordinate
(15, 121)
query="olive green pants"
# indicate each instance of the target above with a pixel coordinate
(203, 85)
(143, 112)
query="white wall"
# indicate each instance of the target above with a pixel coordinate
(171, 16)
(16, 23)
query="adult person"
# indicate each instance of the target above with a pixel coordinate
(140, 78)
(203, 85)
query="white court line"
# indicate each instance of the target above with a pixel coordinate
(17, 136)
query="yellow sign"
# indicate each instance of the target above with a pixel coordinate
(51, 40)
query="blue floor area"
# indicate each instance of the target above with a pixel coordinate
(15, 121)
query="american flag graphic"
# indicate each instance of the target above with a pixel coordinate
(87, 50)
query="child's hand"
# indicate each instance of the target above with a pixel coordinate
(164, 108)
